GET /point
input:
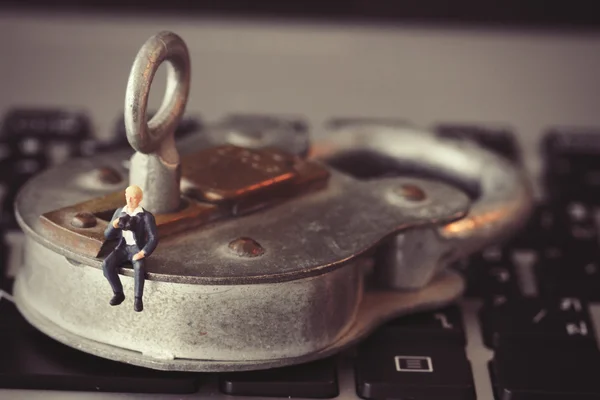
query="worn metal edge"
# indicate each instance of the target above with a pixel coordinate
(443, 290)
(230, 280)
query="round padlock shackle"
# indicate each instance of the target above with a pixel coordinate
(502, 195)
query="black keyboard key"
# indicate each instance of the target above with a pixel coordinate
(4, 150)
(343, 122)
(499, 140)
(54, 135)
(6, 286)
(4, 192)
(19, 171)
(525, 373)
(7, 215)
(493, 254)
(491, 275)
(577, 229)
(573, 275)
(25, 167)
(314, 380)
(538, 231)
(23, 124)
(536, 321)
(10, 257)
(445, 324)
(413, 369)
(572, 163)
(5, 281)
(31, 360)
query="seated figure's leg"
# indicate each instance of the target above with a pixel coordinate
(140, 277)
(109, 267)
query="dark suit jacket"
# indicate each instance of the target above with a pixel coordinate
(145, 233)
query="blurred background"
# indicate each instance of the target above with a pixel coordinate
(486, 13)
(528, 65)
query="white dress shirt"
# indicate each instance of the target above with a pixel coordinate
(128, 235)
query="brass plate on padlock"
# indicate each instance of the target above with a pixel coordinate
(246, 179)
(236, 179)
(88, 241)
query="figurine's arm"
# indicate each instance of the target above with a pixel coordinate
(111, 232)
(152, 234)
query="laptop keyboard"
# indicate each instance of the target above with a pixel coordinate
(524, 329)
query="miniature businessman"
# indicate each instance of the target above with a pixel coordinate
(136, 230)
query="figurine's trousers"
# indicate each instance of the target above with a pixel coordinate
(115, 260)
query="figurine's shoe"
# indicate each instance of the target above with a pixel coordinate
(138, 305)
(117, 299)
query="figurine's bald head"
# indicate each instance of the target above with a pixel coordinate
(133, 196)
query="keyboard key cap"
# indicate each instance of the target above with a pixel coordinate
(6, 281)
(525, 373)
(343, 122)
(445, 324)
(22, 125)
(500, 140)
(572, 163)
(24, 168)
(536, 321)
(6, 286)
(59, 152)
(51, 135)
(31, 360)
(15, 249)
(573, 275)
(4, 188)
(493, 254)
(578, 227)
(491, 279)
(413, 369)
(20, 170)
(538, 231)
(313, 380)
(4, 150)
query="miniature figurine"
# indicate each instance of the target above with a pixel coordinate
(135, 228)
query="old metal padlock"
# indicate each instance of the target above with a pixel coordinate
(266, 255)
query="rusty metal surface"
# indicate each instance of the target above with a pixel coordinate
(155, 167)
(226, 173)
(238, 180)
(56, 224)
(304, 236)
(248, 178)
